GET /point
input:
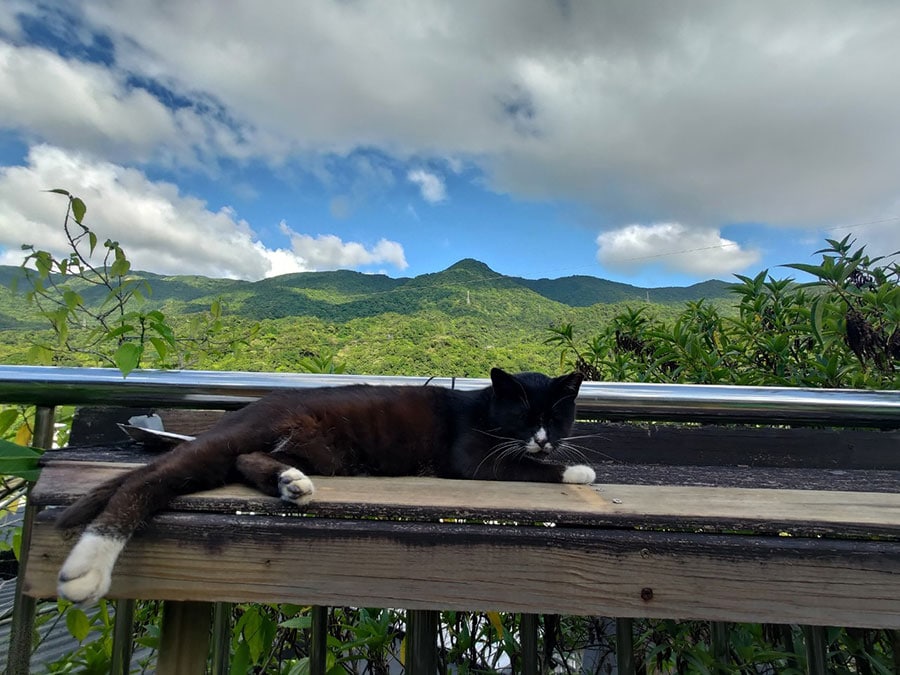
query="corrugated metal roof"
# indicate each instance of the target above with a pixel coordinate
(55, 640)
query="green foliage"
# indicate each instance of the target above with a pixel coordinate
(98, 309)
(93, 629)
(840, 330)
(19, 461)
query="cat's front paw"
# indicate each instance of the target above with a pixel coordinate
(579, 473)
(295, 487)
(86, 575)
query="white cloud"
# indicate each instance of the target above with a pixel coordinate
(329, 252)
(430, 185)
(77, 104)
(697, 252)
(91, 108)
(701, 113)
(161, 230)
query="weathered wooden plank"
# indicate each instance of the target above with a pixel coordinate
(846, 480)
(586, 571)
(800, 512)
(747, 445)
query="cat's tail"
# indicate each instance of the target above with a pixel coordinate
(89, 506)
(114, 510)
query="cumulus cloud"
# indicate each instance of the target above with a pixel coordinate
(77, 104)
(688, 112)
(698, 252)
(330, 252)
(161, 229)
(430, 185)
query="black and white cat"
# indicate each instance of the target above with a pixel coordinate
(506, 431)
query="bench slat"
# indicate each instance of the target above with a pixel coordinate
(590, 571)
(798, 512)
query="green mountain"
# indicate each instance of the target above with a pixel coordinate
(344, 295)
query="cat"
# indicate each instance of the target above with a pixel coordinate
(506, 431)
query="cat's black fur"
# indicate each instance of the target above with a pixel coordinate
(507, 431)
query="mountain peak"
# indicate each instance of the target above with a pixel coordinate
(471, 266)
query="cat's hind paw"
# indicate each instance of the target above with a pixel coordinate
(580, 474)
(86, 574)
(295, 487)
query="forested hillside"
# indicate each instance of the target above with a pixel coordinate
(460, 321)
(345, 295)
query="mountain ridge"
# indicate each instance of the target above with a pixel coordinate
(343, 295)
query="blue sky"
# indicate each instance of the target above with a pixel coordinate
(655, 144)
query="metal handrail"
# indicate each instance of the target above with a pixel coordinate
(44, 385)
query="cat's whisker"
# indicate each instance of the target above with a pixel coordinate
(600, 436)
(502, 438)
(498, 453)
(586, 453)
(571, 452)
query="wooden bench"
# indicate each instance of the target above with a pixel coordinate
(723, 522)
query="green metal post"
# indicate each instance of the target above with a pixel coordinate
(816, 650)
(528, 644)
(318, 643)
(720, 646)
(122, 638)
(625, 646)
(421, 642)
(19, 656)
(221, 638)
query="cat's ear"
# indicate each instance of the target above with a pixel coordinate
(568, 385)
(505, 385)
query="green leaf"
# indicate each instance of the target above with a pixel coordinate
(299, 668)
(816, 317)
(815, 270)
(240, 662)
(60, 191)
(160, 345)
(18, 460)
(78, 623)
(93, 240)
(300, 622)
(71, 298)
(127, 357)
(118, 332)
(7, 417)
(120, 267)
(40, 355)
(78, 209)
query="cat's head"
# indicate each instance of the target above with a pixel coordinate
(534, 409)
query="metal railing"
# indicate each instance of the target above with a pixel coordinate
(50, 386)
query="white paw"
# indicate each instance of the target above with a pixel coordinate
(87, 572)
(579, 473)
(295, 487)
